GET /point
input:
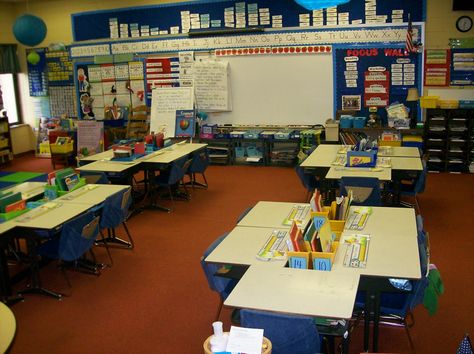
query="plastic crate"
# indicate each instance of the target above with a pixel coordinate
(237, 134)
(252, 134)
(62, 149)
(429, 101)
(466, 104)
(283, 135)
(448, 104)
(359, 122)
(12, 214)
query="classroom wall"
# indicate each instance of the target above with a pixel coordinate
(7, 16)
(441, 24)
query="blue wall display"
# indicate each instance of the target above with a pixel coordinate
(37, 76)
(176, 18)
(374, 77)
(462, 67)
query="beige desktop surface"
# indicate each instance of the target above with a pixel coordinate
(8, 327)
(28, 190)
(92, 193)
(269, 214)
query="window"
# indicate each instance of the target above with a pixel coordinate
(8, 92)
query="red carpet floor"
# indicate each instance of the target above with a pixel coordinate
(155, 299)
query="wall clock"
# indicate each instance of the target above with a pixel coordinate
(464, 24)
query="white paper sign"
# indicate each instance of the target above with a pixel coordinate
(165, 101)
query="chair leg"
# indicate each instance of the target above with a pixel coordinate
(132, 243)
(113, 240)
(106, 245)
(171, 197)
(219, 309)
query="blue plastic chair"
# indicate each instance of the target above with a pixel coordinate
(174, 178)
(365, 190)
(115, 211)
(309, 181)
(199, 164)
(288, 333)
(76, 238)
(223, 286)
(416, 188)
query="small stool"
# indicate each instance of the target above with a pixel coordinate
(61, 158)
(266, 346)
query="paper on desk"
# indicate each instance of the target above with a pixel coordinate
(245, 340)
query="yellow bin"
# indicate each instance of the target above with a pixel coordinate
(266, 346)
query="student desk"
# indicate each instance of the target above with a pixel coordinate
(269, 214)
(8, 328)
(297, 291)
(49, 218)
(399, 151)
(171, 153)
(393, 253)
(241, 246)
(104, 155)
(92, 194)
(337, 172)
(322, 156)
(28, 190)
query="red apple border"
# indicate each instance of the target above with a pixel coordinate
(313, 49)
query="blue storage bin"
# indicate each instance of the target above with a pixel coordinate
(358, 122)
(239, 152)
(345, 122)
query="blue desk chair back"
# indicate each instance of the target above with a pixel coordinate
(223, 286)
(199, 164)
(288, 333)
(76, 239)
(365, 190)
(418, 187)
(309, 181)
(174, 177)
(115, 212)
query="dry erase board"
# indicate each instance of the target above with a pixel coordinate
(279, 89)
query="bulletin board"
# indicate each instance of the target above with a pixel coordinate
(374, 76)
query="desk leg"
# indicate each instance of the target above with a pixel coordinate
(35, 285)
(5, 285)
(376, 306)
(367, 315)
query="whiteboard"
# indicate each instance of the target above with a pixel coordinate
(165, 101)
(279, 90)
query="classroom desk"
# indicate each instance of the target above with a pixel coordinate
(322, 156)
(241, 246)
(399, 151)
(92, 194)
(172, 153)
(393, 253)
(104, 155)
(269, 214)
(337, 172)
(296, 291)
(28, 190)
(406, 164)
(50, 215)
(8, 327)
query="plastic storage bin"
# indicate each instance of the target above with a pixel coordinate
(359, 122)
(345, 122)
(429, 101)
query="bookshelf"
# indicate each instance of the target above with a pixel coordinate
(6, 154)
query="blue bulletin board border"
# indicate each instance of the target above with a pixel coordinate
(94, 25)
